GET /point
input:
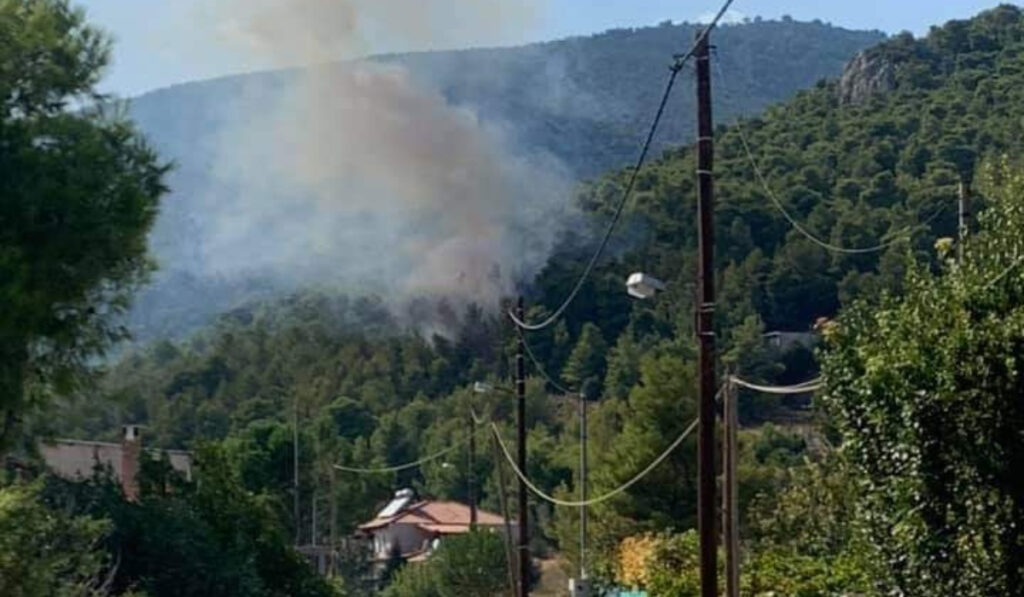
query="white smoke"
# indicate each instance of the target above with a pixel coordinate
(301, 32)
(360, 178)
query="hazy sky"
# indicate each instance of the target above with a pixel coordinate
(161, 42)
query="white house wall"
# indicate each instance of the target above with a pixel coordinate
(408, 537)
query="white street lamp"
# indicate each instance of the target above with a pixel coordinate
(643, 286)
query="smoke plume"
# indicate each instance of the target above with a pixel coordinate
(356, 176)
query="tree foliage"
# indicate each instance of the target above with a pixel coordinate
(805, 539)
(855, 174)
(587, 359)
(920, 496)
(78, 193)
(925, 392)
(471, 565)
(209, 536)
(46, 552)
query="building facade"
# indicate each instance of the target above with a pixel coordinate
(411, 529)
(77, 459)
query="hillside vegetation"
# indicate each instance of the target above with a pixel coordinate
(854, 173)
(584, 101)
(874, 157)
(560, 96)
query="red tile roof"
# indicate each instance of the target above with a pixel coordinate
(458, 513)
(444, 517)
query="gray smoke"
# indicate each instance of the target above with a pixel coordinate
(301, 32)
(357, 177)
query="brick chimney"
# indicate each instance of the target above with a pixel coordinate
(131, 448)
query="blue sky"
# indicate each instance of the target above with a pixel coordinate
(161, 42)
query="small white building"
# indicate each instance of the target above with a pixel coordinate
(412, 528)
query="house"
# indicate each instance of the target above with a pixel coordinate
(412, 528)
(76, 459)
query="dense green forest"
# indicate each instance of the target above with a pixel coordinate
(902, 478)
(584, 101)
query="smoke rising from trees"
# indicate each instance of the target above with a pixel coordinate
(357, 176)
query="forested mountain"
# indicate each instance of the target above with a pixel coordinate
(587, 100)
(584, 101)
(872, 158)
(856, 169)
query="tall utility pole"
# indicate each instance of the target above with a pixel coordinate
(334, 523)
(502, 488)
(964, 210)
(705, 325)
(472, 473)
(730, 505)
(295, 469)
(583, 489)
(524, 536)
(313, 531)
(313, 514)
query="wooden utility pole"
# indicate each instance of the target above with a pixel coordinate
(964, 210)
(502, 488)
(314, 514)
(583, 488)
(730, 505)
(334, 522)
(295, 470)
(705, 325)
(472, 473)
(524, 536)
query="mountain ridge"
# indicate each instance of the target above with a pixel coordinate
(585, 100)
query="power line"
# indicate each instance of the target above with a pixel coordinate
(476, 418)
(402, 467)
(539, 367)
(1016, 263)
(596, 500)
(777, 203)
(676, 67)
(802, 388)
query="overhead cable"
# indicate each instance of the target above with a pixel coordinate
(674, 70)
(900, 236)
(1006, 272)
(539, 367)
(478, 420)
(601, 498)
(802, 388)
(401, 467)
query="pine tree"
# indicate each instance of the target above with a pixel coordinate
(587, 359)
